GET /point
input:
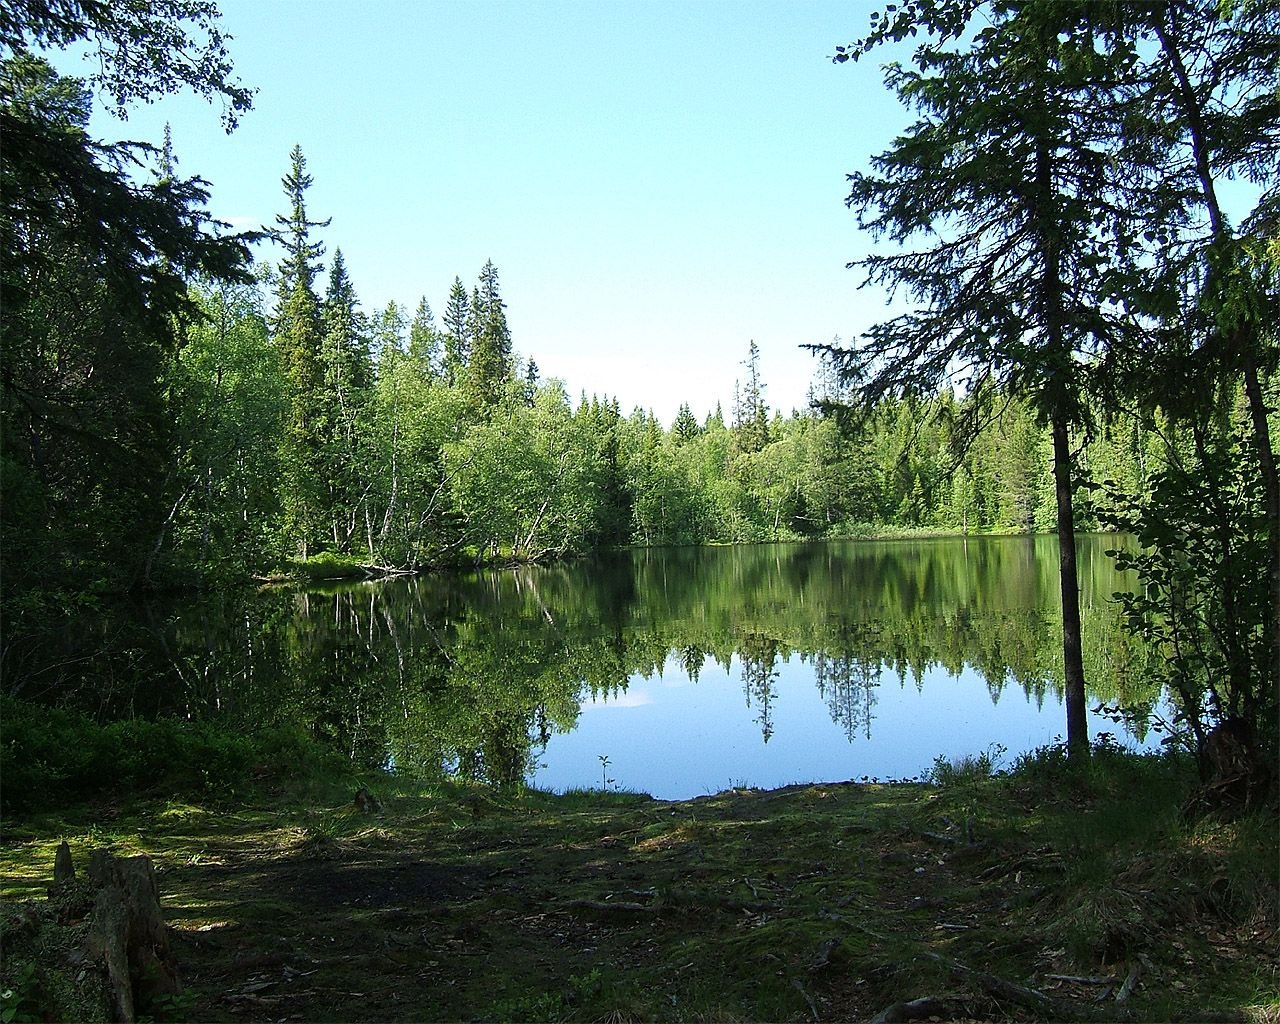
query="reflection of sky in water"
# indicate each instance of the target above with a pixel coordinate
(676, 739)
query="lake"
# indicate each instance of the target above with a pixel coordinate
(674, 672)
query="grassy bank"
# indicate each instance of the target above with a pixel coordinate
(827, 902)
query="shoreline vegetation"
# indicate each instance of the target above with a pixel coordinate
(1044, 892)
(328, 567)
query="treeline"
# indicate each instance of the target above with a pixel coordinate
(170, 417)
(309, 429)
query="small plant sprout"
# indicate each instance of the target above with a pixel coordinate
(605, 781)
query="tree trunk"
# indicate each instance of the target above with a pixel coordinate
(1068, 576)
(1244, 344)
(129, 933)
(1271, 488)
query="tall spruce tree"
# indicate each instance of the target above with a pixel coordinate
(424, 341)
(348, 377)
(299, 335)
(489, 365)
(494, 319)
(1007, 181)
(457, 338)
(303, 254)
(753, 410)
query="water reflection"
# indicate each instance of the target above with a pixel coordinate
(487, 676)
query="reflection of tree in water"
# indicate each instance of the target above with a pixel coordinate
(759, 656)
(848, 684)
(505, 754)
(472, 675)
(691, 659)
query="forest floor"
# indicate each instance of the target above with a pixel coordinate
(1004, 898)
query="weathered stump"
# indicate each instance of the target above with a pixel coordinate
(128, 933)
(64, 871)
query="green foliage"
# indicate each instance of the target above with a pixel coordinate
(1201, 602)
(19, 1000)
(142, 51)
(229, 391)
(550, 1007)
(327, 566)
(53, 757)
(966, 769)
(85, 419)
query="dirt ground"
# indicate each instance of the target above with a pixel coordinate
(826, 903)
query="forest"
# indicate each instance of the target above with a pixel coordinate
(1096, 351)
(1078, 225)
(177, 415)
(287, 424)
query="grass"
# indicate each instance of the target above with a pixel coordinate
(826, 901)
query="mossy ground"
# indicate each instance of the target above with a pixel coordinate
(825, 902)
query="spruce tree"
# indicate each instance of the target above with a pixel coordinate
(489, 365)
(348, 364)
(424, 341)
(531, 377)
(1007, 179)
(494, 318)
(753, 411)
(457, 340)
(685, 428)
(348, 377)
(299, 334)
(303, 255)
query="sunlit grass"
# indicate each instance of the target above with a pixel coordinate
(732, 896)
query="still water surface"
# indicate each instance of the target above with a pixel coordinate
(675, 672)
(889, 655)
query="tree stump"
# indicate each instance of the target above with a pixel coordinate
(128, 933)
(64, 871)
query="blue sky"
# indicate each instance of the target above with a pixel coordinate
(658, 183)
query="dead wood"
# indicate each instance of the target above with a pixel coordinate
(64, 870)
(921, 1009)
(616, 907)
(128, 933)
(1046, 1007)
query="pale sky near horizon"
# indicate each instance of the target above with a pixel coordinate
(658, 183)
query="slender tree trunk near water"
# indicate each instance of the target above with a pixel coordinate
(1271, 488)
(1245, 341)
(1069, 578)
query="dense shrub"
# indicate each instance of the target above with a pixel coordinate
(53, 757)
